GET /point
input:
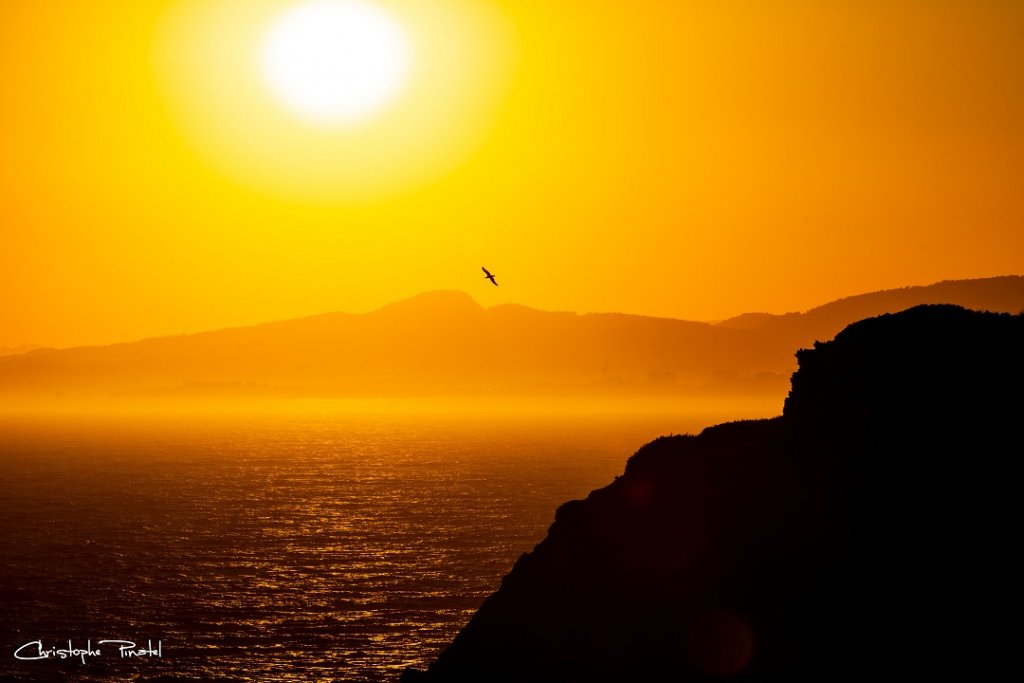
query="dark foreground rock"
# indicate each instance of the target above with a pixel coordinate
(869, 533)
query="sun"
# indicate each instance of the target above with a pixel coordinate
(335, 102)
(335, 62)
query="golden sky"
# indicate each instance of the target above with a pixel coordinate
(692, 159)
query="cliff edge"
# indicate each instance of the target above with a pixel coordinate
(866, 534)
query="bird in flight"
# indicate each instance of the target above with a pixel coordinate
(488, 276)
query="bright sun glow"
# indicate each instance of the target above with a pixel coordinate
(334, 101)
(335, 62)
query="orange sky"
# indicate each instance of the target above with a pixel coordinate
(689, 159)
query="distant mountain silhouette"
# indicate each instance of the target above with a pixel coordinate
(793, 330)
(867, 534)
(20, 348)
(444, 343)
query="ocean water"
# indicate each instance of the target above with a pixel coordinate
(335, 545)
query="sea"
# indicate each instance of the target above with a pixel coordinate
(323, 542)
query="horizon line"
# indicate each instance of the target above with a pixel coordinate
(471, 298)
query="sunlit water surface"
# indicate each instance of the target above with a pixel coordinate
(327, 546)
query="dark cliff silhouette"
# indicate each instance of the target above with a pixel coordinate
(869, 533)
(444, 343)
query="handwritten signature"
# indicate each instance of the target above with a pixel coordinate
(34, 650)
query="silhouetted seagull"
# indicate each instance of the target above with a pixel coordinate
(488, 276)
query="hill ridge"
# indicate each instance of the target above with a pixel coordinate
(444, 342)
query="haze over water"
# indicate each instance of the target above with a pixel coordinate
(332, 541)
